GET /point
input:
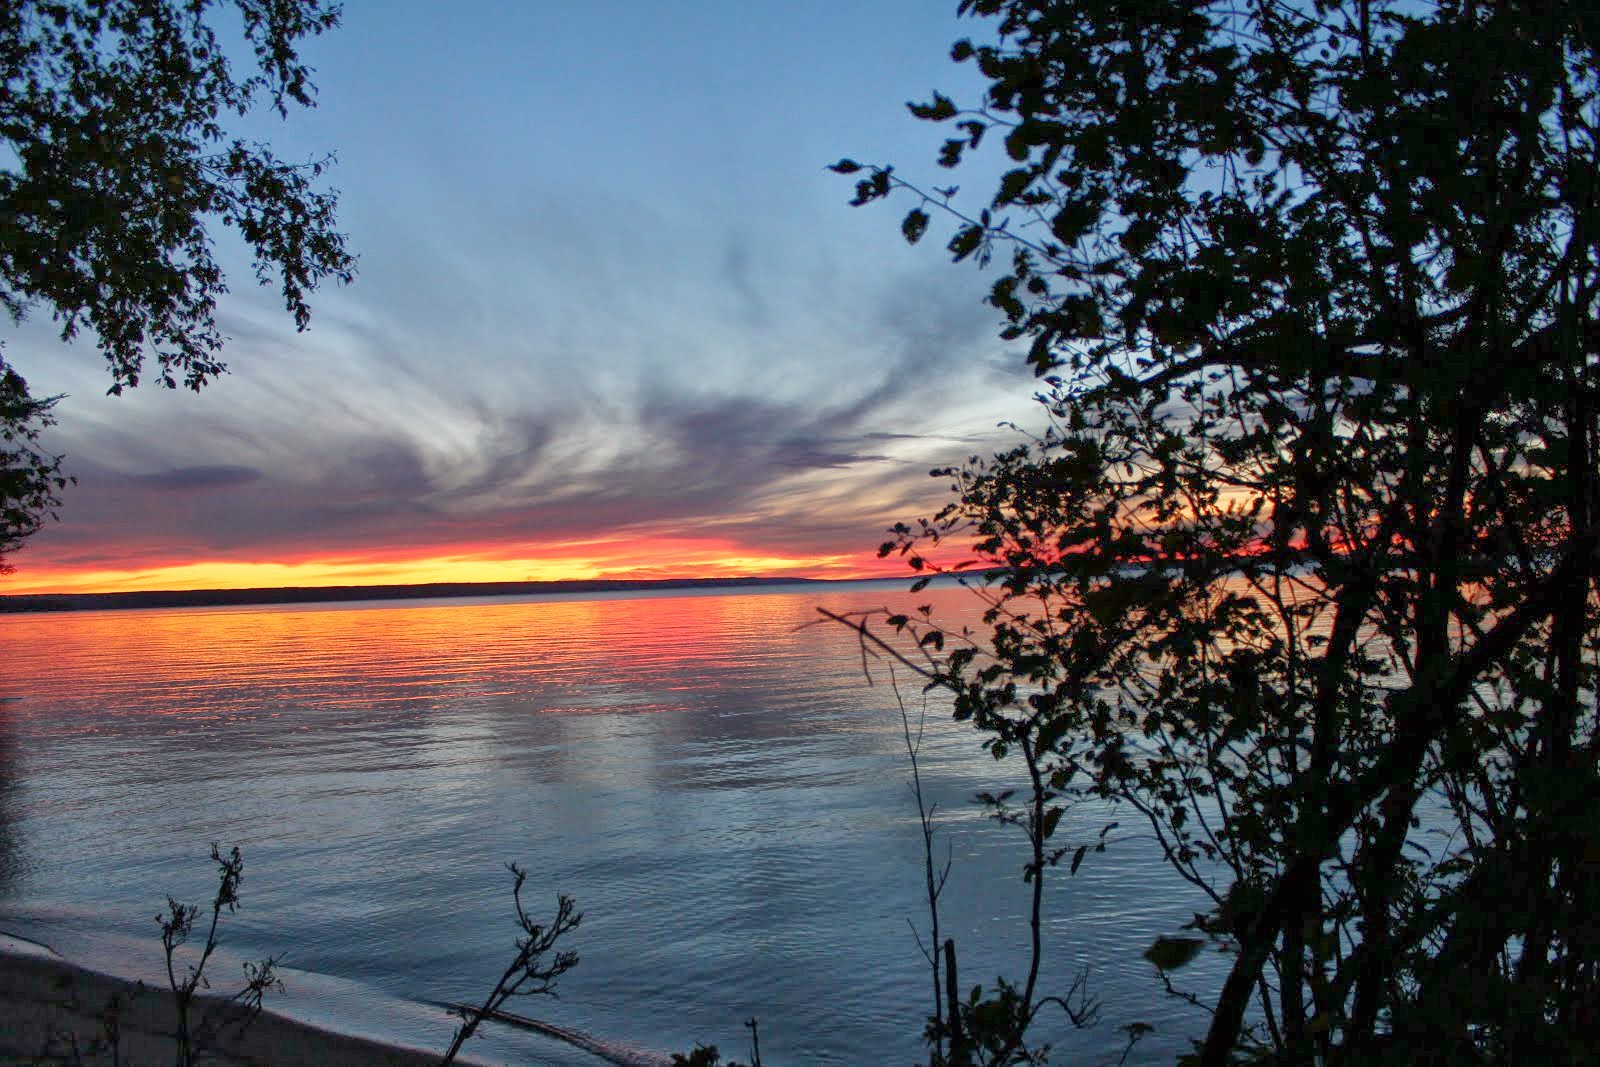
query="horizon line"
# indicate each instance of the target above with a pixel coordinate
(241, 596)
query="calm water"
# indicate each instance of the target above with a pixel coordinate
(711, 779)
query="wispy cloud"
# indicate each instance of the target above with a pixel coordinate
(643, 314)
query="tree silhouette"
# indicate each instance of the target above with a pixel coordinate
(1301, 567)
(118, 164)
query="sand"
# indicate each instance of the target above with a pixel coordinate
(50, 1013)
(53, 1011)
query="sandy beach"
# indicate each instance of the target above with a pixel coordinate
(51, 1013)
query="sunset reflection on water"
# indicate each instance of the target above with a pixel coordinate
(709, 775)
(551, 653)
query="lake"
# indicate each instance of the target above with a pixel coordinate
(707, 773)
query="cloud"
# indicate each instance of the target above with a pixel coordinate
(600, 388)
(186, 479)
(800, 475)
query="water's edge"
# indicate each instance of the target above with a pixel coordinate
(397, 1029)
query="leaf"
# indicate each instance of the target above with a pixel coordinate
(1017, 144)
(966, 242)
(1013, 184)
(845, 166)
(1052, 818)
(915, 224)
(942, 108)
(1170, 953)
(1077, 858)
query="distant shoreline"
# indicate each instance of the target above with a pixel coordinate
(337, 594)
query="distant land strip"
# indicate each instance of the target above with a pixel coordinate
(205, 598)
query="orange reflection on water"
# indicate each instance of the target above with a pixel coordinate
(544, 654)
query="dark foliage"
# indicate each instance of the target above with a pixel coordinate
(30, 478)
(1301, 568)
(118, 166)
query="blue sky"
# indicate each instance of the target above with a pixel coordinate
(613, 316)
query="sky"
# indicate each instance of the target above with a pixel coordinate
(613, 317)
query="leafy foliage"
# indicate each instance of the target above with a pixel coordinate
(1301, 566)
(117, 163)
(30, 478)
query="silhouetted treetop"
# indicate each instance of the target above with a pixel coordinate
(1301, 567)
(117, 165)
(114, 114)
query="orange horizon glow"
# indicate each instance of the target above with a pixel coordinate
(620, 558)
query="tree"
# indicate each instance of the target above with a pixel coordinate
(117, 165)
(30, 478)
(1301, 567)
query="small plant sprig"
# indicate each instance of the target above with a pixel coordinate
(710, 1056)
(528, 974)
(177, 924)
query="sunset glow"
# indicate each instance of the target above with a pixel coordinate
(548, 367)
(656, 558)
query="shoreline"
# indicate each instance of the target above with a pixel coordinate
(35, 603)
(53, 1010)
